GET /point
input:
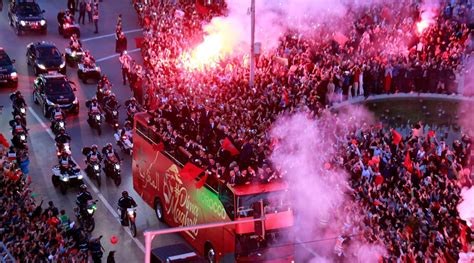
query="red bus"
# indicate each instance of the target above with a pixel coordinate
(178, 202)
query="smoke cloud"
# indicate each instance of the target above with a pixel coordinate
(306, 147)
(466, 207)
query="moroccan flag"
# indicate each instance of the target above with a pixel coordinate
(228, 146)
(200, 8)
(201, 181)
(159, 147)
(3, 141)
(190, 171)
(139, 42)
(407, 163)
(396, 137)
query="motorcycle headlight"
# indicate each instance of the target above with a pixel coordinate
(97, 117)
(61, 124)
(22, 23)
(117, 166)
(63, 64)
(97, 68)
(13, 75)
(73, 54)
(66, 147)
(22, 110)
(90, 210)
(41, 66)
(114, 112)
(43, 22)
(130, 212)
(75, 101)
(65, 178)
(80, 177)
(96, 167)
(22, 137)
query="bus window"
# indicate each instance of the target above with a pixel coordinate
(227, 198)
(273, 202)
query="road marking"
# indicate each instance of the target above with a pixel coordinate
(116, 55)
(110, 35)
(88, 181)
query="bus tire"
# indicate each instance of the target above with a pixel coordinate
(210, 253)
(159, 210)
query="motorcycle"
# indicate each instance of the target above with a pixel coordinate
(63, 147)
(57, 124)
(113, 170)
(19, 140)
(93, 166)
(123, 140)
(73, 57)
(129, 219)
(85, 72)
(21, 111)
(71, 177)
(68, 28)
(86, 218)
(112, 117)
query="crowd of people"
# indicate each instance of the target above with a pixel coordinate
(203, 110)
(212, 117)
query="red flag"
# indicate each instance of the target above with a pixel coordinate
(3, 141)
(379, 179)
(431, 133)
(407, 163)
(285, 97)
(396, 137)
(159, 147)
(139, 42)
(228, 146)
(190, 171)
(200, 8)
(463, 239)
(201, 181)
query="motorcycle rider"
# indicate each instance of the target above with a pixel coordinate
(62, 138)
(110, 155)
(88, 59)
(111, 104)
(104, 88)
(94, 155)
(124, 203)
(75, 44)
(82, 198)
(56, 114)
(66, 164)
(132, 107)
(18, 101)
(17, 126)
(94, 108)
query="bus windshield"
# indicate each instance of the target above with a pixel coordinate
(273, 202)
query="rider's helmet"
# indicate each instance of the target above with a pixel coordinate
(109, 146)
(56, 107)
(132, 99)
(94, 147)
(94, 99)
(124, 194)
(17, 118)
(83, 187)
(64, 154)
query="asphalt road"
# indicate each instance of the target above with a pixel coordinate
(42, 148)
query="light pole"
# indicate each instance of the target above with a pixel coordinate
(252, 44)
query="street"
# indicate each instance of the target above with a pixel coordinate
(41, 139)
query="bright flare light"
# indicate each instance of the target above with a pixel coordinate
(422, 25)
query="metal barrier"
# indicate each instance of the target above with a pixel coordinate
(6, 257)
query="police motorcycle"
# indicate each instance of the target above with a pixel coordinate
(104, 89)
(130, 217)
(124, 141)
(86, 218)
(63, 143)
(93, 168)
(95, 117)
(66, 173)
(87, 69)
(20, 133)
(19, 106)
(57, 121)
(112, 166)
(74, 52)
(67, 27)
(111, 111)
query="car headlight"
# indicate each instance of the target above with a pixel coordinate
(22, 110)
(22, 23)
(13, 75)
(96, 167)
(50, 103)
(90, 210)
(41, 66)
(43, 22)
(117, 166)
(22, 137)
(63, 64)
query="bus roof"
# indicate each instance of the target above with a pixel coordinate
(253, 188)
